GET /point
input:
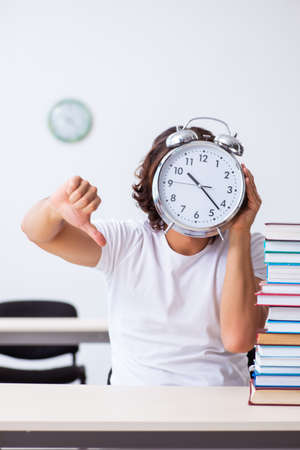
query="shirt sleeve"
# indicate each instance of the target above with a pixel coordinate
(122, 237)
(257, 256)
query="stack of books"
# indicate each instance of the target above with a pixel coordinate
(277, 355)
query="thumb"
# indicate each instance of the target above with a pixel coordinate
(92, 231)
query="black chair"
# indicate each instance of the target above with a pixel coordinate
(251, 360)
(251, 356)
(109, 377)
(40, 308)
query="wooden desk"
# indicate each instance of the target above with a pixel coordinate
(57, 331)
(140, 417)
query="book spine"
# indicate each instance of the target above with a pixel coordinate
(272, 404)
(281, 321)
(280, 282)
(276, 293)
(255, 373)
(262, 334)
(281, 251)
(281, 223)
(282, 264)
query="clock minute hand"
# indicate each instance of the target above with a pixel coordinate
(189, 184)
(201, 187)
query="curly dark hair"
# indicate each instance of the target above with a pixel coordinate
(142, 190)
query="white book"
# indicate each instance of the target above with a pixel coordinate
(279, 288)
(277, 299)
(278, 326)
(284, 313)
(277, 369)
(277, 380)
(288, 351)
(276, 361)
(283, 273)
(282, 257)
(282, 231)
(282, 246)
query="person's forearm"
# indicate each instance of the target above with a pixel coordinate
(239, 315)
(42, 222)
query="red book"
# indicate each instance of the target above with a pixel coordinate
(267, 396)
(277, 299)
(279, 288)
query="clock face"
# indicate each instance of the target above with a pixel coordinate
(70, 120)
(198, 187)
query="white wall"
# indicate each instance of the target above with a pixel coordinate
(141, 66)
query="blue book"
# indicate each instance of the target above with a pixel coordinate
(274, 246)
(277, 351)
(276, 380)
(283, 264)
(283, 326)
(282, 258)
(276, 370)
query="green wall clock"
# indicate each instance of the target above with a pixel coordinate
(70, 120)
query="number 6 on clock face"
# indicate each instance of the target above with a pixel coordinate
(198, 187)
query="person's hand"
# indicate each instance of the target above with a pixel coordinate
(245, 217)
(75, 201)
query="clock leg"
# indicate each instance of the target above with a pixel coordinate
(169, 227)
(220, 234)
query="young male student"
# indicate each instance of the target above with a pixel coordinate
(181, 309)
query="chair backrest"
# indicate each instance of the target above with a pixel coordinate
(37, 308)
(251, 356)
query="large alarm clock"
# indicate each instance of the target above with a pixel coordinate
(199, 186)
(70, 120)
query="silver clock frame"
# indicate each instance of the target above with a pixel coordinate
(175, 224)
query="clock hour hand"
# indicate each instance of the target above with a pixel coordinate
(202, 187)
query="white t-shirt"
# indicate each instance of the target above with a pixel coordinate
(164, 308)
